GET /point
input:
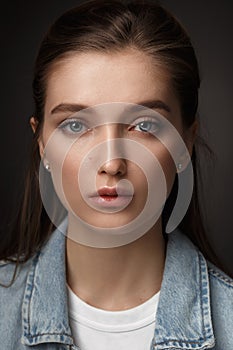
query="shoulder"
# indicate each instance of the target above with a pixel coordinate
(13, 283)
(10, 272)
(219, 277)
(221, 285)
(218, 286)
(11, 301)
(13, 280)
(221, 299)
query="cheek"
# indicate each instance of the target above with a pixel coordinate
(167, 163)
(139, 180)
(64, 159)
(70, 184)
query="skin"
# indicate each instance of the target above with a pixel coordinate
(122, 277)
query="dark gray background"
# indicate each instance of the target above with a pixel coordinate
(209, 24)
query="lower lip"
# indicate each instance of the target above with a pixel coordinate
(110, 201)
(109, 198)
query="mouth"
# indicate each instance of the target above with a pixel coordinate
(111, 197)
(108, 193)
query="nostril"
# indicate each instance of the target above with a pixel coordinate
(114, 167)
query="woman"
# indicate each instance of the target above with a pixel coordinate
(115, 130)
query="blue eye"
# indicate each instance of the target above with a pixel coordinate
(147, 126)
(72, 127)
(75, 126)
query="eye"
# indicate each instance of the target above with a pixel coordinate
(72, 127)
(147, 126)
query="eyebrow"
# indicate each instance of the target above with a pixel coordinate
(74, 107)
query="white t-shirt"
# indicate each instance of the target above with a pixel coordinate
(98, 329)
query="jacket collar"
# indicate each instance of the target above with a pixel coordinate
(45, 310)
(185, 324)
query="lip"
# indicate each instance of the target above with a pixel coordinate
(111, 197)
(115, 191)
(107, 191)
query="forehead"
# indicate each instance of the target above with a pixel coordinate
(95, 78)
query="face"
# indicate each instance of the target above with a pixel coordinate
(115, 80)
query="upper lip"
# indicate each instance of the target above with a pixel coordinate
(107, 191)
(112, 191)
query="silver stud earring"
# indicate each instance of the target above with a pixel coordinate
(179, 166)
(47, 167)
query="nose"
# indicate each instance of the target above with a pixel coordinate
(115, 163)
(114, 167)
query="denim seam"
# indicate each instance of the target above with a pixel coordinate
(33, 286)
(183, 341)
(201, 292)
(28, 294)
(206, 307)
(42, 334)
(221, 278)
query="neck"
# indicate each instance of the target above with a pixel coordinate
(117, 278)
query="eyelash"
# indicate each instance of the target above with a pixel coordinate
(68, 122)
(145, 119)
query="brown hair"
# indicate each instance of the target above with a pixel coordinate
(110, 26)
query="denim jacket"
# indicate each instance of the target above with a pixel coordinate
(195, 308)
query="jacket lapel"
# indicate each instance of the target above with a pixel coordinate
(183, 319)
(44, 310)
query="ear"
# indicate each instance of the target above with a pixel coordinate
(34, 125)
